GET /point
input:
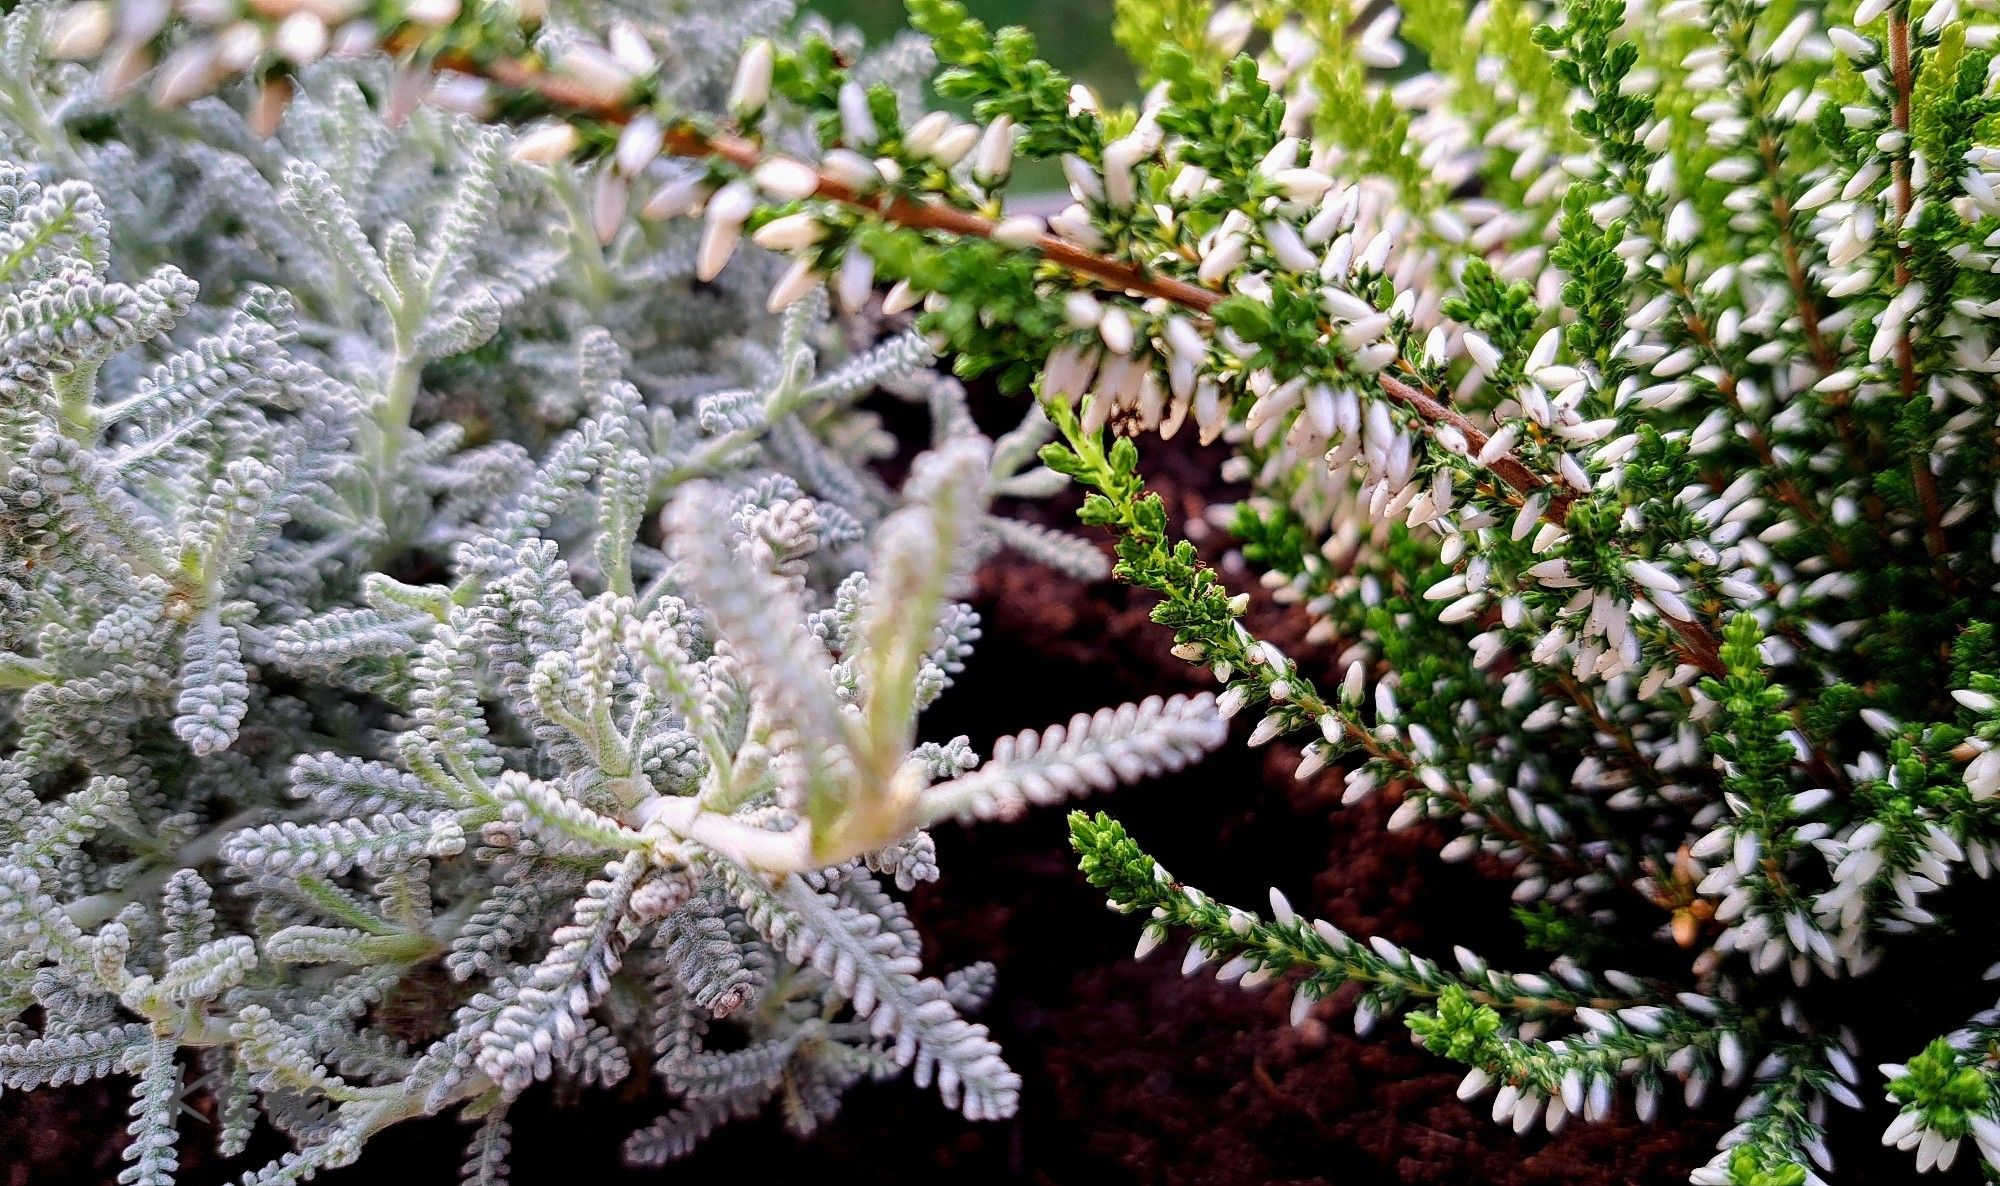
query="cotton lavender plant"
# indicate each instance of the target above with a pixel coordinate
(454, 636)
(1607, 395)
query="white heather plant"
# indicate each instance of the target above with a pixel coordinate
(438, 601)
(1612, 395)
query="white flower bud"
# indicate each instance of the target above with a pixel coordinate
(901, 298)
(790, 232)
(1072, 224)
(434, 13)
(751, 89)
(1115, 327)
(676, 199)
(1303, 185)
(301, 38)
(923, 136)
(608, 200)
(630, 49)
(994, 159)
(81, 31)
(955, 143)
(1482, 353)
(639, 144)
(855, 281)
(857, 123)
(1230, 29)
(724, 229)
(783, 177)
(238, 47)
(852, 170)
(188, 73)
(596, 71)
(798, 280)
(1226, 255)
(546, 145)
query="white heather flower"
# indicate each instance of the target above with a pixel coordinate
(188, 73)
(1482, 353)
(855, 281)
(1978, 702)
(434, 13)
(677, 198)
(955, 143)
(785, 178)
(630, 49)
(81, 31)
(922, 137)
(1463, 608)
(1227, 254)
(993, 160)
(1681, 224)
(1229, 28)
(597, 71)
(727, 211)
(797, 281)
(790, 232)
(851, 169)
(238, 47)
(900, 298)
(1852, 45)
(1345, 306)
(1083, 181)
(639, 144)
(1651, 576)
(610, 194)
(1115, 327)
(751, 88)
(462, 94)
(1020, 231)
(1289, 249)
(1120, 157)
(1072, 224)
(1081, 310)
(1787, 42)
(1982, 775)
(300, 38)
(1303, 185)
(1183, 339)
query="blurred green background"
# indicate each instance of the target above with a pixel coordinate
(1075, 35)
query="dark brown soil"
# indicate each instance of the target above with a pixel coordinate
(1132, 1073)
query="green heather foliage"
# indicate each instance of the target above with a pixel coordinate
(1607, 380)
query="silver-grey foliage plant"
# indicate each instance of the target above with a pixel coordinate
(415, 585)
